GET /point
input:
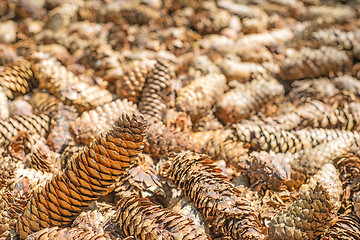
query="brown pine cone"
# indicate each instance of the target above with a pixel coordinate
(356, 201)
(56, 233)
(313, 63)
(207, 123)
(155, 96)
(347, 227)
(18, 79)
(43, 102)
(34, 124)
(201, 65)
(7, 169)
(210, 21)
(309, 215)
(336, 14)
(133, 14)
(227, 212)
(86, 178)
(4, 105)
(348, 83)
(243, 10)
(239, 103)
(69, 152)
(333, 37)
(349, 167)
(94, 122)
(201, 94)
(131, 83)
(62, 15)
(145, 220)
(8, 54)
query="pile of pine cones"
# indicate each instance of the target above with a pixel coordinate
(180, 119)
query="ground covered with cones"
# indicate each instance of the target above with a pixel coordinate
(165, 119)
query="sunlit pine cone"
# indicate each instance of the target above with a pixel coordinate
(207, 123)
(349, 167)
(131, 83)
(57, 233)
(162, 140)
(18, 79)
(347, 227)
(156, 93)
(199, 140)
(228, 213)
(210, 21)
(266, 171)
(313, 63)
(239, 103)
(62, 15)
(43, 102)
(145, 220)
(270, 139)
(94, 122)
(309, 215)
(335, 14)
(335, 38)
(33, 123)
(348, 83)
(86, 178)
(356, 202)
(4, 105)
(201, 94)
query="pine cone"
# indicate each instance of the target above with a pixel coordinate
(85, 179)
(226, 211)
(239, 103)
(356, 201)
(62, 15)
(4, 105)
(243, 10)
(336, 14)
(349, 167)
(348, 83)
(92, 123)
(207, 123)
(210, 21)
(33, 123)
(313, 63)
(333, 37)
(57, 233)
(8, 55)
(200, 95)
(7, 169)
(201, 66)
(18, 79)
(240, 71)
(276, 36)
(133, 14)
(347, 227)
(143, 219)
(43, 102)
(70, 151)
(309, 215)
(156, 93)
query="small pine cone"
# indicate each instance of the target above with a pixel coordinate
(86, 178)
(349, 167)
(145, 220)
(177, 121)
(59, 134)
(275, 36)
(240, 71)
(313, 63)
(348, 83)
(227, 212)
(33, 123)
(266, 171)
(243, 10)
(156, 93)
(335, 14)
(200, 95)
(18, 79)
(199, 140)
(207, 123)
(269, 139)
(131, 83)
(162, 140)
(141, 181)
(56, 233)
(92, 123)
(309, 215)
(91, 11)
(7, 169)
(347, 227)
(70, 151)
(62, 15)
(210, 21)
(201, 66)
(4, 105)
(133, 14)
(333, 37)
(43, 103)
(239, 103)
(356, 202)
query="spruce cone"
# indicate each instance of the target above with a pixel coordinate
(18, 79)
(156, 93)
(86, 178)
(56, 233)
(62, 15)
(334, 38)
(210, 21)
(347, 227)
(335, 14)
(4, 105)
(207, 123)
(227, 212)
(145, 220)
(92, 123)
(356, 201)
(348, 83)
(138, 14)
(70, 151)
(200, 95)
(239, 103)
(43, 102)
(313, 211)
(33, 123)
(313, 63)
(349, 167)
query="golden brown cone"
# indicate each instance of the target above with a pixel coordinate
(309, 215)
(349, 167)
(210, 21)
(86, 178)
(347, 227)
(224, 207)
(145, 220)
(356, 201)
(18, 79)
(56, 233)
(32, 123)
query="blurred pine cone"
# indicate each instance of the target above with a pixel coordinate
(56, 233)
